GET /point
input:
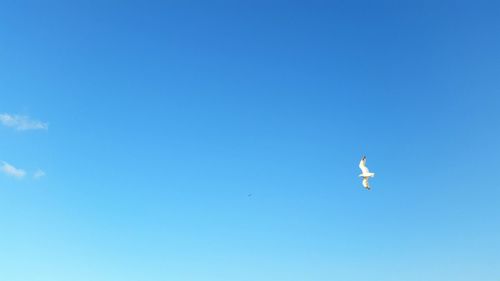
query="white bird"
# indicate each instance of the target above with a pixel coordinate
(365, 173)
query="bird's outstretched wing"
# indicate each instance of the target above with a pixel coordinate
(365, 183)
(362, 166)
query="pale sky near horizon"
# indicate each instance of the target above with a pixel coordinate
(132, 132)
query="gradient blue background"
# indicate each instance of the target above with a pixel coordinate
(165, 116)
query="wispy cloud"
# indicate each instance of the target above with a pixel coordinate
(22, 122)
(38, 174)
(10, 170)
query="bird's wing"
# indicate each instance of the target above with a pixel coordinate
(362, 165)
(365, 182)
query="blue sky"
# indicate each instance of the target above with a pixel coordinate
(149, 123)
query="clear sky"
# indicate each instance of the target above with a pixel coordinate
(133, 133)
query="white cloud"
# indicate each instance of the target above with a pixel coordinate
(38, 174)
(10, 170)
(22, 122)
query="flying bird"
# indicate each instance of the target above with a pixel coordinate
(365, 173)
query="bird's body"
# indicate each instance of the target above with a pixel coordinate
(365, 173)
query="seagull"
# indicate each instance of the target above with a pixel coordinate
(365, 173)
